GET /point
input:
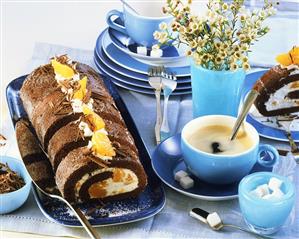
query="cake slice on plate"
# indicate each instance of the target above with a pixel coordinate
(281, 94)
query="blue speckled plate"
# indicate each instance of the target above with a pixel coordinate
(147, 204)
(263, 128)
(167, 160)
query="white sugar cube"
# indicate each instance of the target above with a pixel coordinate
(268, 197)
(274, 183)
(156, 53)
(214, 220)
(186, 182)
(262, 190)
(277, 193)
(141, 50)
(179, 175)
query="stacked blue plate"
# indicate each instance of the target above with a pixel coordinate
(129, 70)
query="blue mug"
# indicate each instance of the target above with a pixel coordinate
(224, 169)
(140, 28)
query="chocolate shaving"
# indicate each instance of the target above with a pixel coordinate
(9, 180)
(2, 140)
(99, 161)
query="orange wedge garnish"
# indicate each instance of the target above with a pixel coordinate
(63, 70)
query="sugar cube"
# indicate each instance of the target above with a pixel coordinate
(186, 182)
(141, 50)
(180, 174)
(262, 190)
(214, 220)
(268, 196)
(277, 193)
(274, 183)
(156, 53)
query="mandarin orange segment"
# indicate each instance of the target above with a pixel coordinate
(64, 70)
(284, 59)
(81, 92)
(86, 110)
(96, 121)
(295, 55)
(101, 144)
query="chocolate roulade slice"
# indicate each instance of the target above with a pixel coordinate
(70, 137)
(80, 178)
(35, 160)
(280, 96)
(37, 85)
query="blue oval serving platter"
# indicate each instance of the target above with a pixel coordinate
(167, 160)
(147, 204)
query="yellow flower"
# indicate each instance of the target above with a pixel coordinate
(233, 67)
(157, 35)
(246, 66)
(163, 26)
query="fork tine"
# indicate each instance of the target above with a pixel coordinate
(149, 71)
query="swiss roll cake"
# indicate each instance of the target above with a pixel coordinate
(90, 150)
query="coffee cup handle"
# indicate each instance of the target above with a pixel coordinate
(114, 25)
(270, 156)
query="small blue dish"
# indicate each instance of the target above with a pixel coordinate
(261, 215)
(13, 200)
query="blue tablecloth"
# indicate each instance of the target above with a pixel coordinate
(173, 221)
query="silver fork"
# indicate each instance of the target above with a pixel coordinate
(169, 84)
(155, 81)
(286, 122)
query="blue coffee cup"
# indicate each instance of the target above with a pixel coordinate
(224, 169)
(139, 27)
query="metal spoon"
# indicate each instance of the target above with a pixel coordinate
(81, 217)
(129, 6)
(202, 215)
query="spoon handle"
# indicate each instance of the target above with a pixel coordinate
(245, 108)
(248, 231)
(85, 223)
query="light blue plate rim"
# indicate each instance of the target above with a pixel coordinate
(134, 78)
(118, 80)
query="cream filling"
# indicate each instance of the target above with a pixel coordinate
(111, 187)
(277, 100)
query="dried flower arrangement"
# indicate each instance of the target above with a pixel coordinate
(220, 39)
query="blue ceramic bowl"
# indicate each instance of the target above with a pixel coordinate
(265, 216)
(13, 200)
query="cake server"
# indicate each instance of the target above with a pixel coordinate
(286, 122)
(77, 212)
(209, 219)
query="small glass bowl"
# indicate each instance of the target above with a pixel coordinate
(13, 200)
(265, 216)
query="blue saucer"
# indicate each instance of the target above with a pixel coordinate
(263, 129)
(125, 61)
(167, 159)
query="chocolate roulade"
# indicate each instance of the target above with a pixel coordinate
(81, 177)
(79, 126)
(35, 160)
(280, 95)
